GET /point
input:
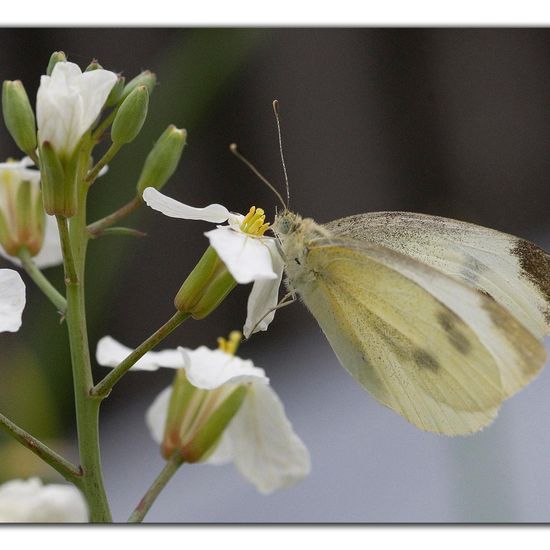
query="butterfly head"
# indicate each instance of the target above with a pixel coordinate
(286, 224)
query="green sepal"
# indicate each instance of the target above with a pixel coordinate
(145, 78)
(18, 115)
(93, 66)
(5, 236)
(58, 181)
(130, 116)
(205, 287)
(24, 210)
(116, 92)
(211, 431)
(163, 159)
(55, 58)
(182, 392)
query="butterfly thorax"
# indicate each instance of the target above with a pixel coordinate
(295, 234)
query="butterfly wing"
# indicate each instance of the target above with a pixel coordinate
(515, 272)
(437, 351)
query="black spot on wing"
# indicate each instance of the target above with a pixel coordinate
(450, 323)
(535, 264)
(425, 360)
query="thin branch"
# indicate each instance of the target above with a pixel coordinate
(95, 229)
(103, 388)
(170, 468)
(68, 470)
(55, 297)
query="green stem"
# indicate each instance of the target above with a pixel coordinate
(74, 243)
(68, 470)
(42, 282)
(105, 123)
(107, 157)
(95, 229)
(158, 485)
(66, 248)
(103, 388)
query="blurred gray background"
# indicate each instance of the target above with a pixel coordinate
(453, 122)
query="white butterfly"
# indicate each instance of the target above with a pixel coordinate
(440, 320)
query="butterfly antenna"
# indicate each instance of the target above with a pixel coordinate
(276, 111)
(235, 151)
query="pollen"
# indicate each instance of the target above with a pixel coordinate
(254, 222)
(231, 344)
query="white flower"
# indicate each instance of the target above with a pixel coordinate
(40, 231)
(248, 257)
(12, 300)
(259, 439)
(29, 501)
(68, 102)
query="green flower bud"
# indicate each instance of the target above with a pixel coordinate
(163, 159)
(205, 287)
(93, 66)
(58, 181)
(55, 58)
(130, 116)
(116, 92)
(146, 78)
(196, 418)
(18, 115)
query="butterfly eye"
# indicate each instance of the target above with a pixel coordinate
(285, 226)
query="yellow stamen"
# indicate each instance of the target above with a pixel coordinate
(254, 222)
(231, 344)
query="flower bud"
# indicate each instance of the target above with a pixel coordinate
(197, 418)
(22, 216)
(130, 116)
(163, 159)
(93, 66)
(58, 182)
(146, 78)
(18, 115)
(55, 58)
(116, 92)
(205, 287)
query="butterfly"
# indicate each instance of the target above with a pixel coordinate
(438, 319)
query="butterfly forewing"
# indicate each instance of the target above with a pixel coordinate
(515, 272)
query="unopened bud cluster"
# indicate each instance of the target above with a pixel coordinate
(63, 134)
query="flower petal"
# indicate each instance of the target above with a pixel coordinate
(209, 369)
(29, 501)
(266, 450)
(156, 414)
(68, 102)
(247, 258)
(215, 213)
(264, 296)
(12, 300)
(110, 353)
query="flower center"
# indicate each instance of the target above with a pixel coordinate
(231, 344)
(254, 222)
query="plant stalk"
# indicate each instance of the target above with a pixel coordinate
(170, 468)
(42, 282)
(68, 470)
(103, 388)
(74, 243)
(96, 229)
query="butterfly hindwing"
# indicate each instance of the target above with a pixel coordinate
(435, 350)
